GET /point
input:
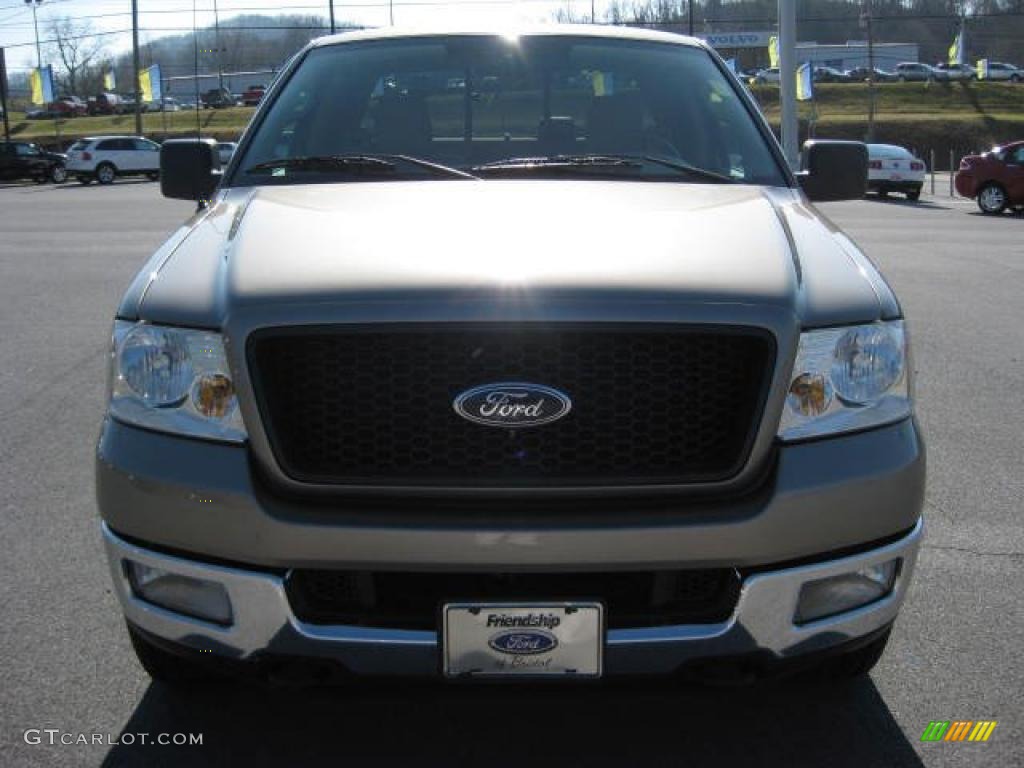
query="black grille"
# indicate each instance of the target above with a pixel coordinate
(413, 600)
(373, 405)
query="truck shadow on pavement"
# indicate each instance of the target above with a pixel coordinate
(622, 725)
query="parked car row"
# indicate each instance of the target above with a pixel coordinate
(101, 158)
(905, 72)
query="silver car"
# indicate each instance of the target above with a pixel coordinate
(1000, 70)
(562, 377)
(911, 71)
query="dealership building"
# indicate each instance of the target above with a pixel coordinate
(751, 49)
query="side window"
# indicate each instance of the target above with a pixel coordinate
(144, 146)
(1017, 157)
(110, 145)
(27, 150)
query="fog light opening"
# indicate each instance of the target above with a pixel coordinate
(824, 598)
(197, 598)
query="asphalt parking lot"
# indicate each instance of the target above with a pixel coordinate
(67, 253)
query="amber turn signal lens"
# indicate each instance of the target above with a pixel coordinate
(213, 395)
(810, 394)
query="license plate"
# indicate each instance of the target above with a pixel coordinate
(520, 640)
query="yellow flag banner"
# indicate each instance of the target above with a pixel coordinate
(149, 83)
(41, 80)
(773, 51)
(805, 82)
(956, 50)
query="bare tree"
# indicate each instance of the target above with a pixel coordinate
(77, 47)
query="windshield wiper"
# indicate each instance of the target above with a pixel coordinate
(576, 162)
(356, 164)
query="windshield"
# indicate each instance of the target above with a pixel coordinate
(470, 103)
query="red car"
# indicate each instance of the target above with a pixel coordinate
(68, 106)
(995, 179)
(253, 95)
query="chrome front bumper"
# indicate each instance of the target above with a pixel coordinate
(264, 622)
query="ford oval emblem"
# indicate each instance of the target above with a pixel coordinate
(512, 405)
(523, 642)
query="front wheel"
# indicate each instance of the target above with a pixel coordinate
(105, 173)
(914, 194)
(992, 198)
(153, 176)
(58, 174)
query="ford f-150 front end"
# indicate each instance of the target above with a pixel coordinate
(508, 355)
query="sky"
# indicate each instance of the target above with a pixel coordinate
(163, 17)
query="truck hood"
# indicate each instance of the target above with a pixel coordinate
(456, 240)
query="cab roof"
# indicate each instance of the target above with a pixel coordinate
(599, 31)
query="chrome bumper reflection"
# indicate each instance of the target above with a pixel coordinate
(762, 621)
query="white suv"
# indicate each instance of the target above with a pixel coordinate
(104, 158)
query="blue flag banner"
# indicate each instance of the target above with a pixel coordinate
(41, 80)
(150, 85)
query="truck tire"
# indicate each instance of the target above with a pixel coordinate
(914, 195)
(169, 668)
(58, 174)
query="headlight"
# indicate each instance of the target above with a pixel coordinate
(847, 379)
(173, 380)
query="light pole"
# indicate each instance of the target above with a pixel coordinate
(33, 4)
(866, 22)
(135, 67)
(216, 33)
(787, 84)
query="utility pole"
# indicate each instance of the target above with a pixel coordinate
(33, 4)
(135, 66)
(866, 19)
(331, 4)
(3, 95)
(787, 84)
(689, 13)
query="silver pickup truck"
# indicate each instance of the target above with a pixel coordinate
(509, 355)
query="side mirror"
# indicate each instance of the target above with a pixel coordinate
(834, 170)
(189, 169)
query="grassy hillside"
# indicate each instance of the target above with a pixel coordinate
(941, 117)
(920, 100)
(221, 123)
